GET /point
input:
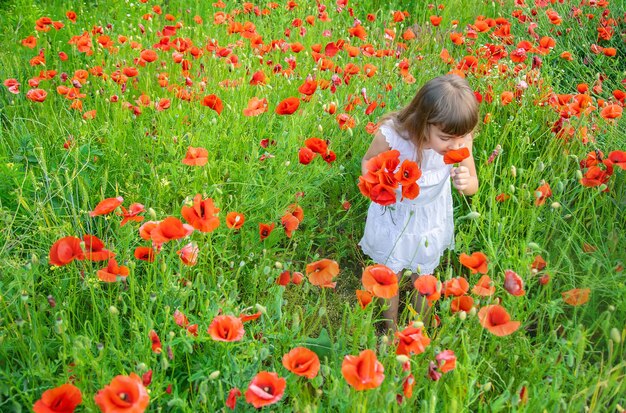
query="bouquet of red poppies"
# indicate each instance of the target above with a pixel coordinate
(385, 174)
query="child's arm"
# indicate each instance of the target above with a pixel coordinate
(379, 145)
(464, 176)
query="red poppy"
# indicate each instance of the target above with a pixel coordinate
(196, 156)
(302, 362)
(477, 262)
(513, 283)
(446, 361)
(125, 394)
(265, 230)
(226, 328)
(112, 271)
(66, 250)
(364, 297)
(322, 272)
(235, 220)
(36, 95)
(265, 388)
(455, 155)
(189, 254)
(543, 192)
(358, 31)
(456, 286)
(106, 206)
(306, 155)
(62, 399)
(255, 107)
(462, 303)
(484, 287)
(308, 87)
(13, 85)
(496, 319)
(249, 317)
(538, 264)
(290, 223)
(411, 340)
(170, 228)
(94, 249)
(156, 342)
(408, 173)
(203, 215)
(577, 296)
(288, 106)
(363, 372)
(213, 102)
(317, 145)
(131, 214)
(231, 400)
(618, 158)
(145, 254)
(258, 78)
(435, 20)
(380, 280)
(428, 286)
(283, 278)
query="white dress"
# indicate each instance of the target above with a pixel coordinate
(412, 234)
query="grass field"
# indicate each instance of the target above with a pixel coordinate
(166, 106)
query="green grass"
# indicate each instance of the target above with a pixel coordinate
(566, 357)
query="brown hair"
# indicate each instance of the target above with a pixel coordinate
(447, 102)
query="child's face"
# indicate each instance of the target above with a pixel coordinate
(442, 142)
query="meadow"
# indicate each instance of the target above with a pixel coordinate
(173, 239)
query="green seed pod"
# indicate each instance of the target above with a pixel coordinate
(616, 336)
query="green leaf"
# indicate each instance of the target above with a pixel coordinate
(322, 346)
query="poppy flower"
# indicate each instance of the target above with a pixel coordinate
(302, 362)
(106, 206)
(322, 272)
(411, 340)
(249, 317)
(284, 278)
(577, 296)
(306, 155)
(462, 303)
(112, 271)
(265, 230)
(131, 214)
(94, 249)
(477, 262)
(435, 20)
(297, 278)
(446, 361)
(36, 95)
(265, 388)
(363, 372)
(542, 193)
(255, 107)
(496, 319)
(125, 394)
(170, 228)
(258, 78)
(213, 102)
(308, 87)
(380, 280)
(457, 287)
(13, 85)
(611, 112)
(202, 215)
(196, 156)
(513, 283)
(62, 399)
(226, 328)
(455, 155)
(428, 286)
(231, 400)
(483, 287)
(618, 158)
(156, 342)
(288, 106)
(317, 145)
(189, 254)
(145, 254)
(65, 250)
(290, 223)
(235, 220)
(408, 173)
(364, 297)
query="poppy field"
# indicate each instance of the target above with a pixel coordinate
(180, 208)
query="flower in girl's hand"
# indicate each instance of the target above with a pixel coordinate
(455, 156)
(385, 174)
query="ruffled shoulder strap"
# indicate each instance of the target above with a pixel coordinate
(394, 139)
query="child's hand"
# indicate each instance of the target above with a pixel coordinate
(460, 177)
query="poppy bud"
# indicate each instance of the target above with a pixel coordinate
(34, 259)
(152, 214)
(513, 171)
(555, 205)
(615, 335)
(278, 265)
(534, 246)
(462, 315)
(260, 308)
(473, 215)
(418, 324)
(602, 188)
(113, 310)
(214, 375)
(401, 358)
(472, 312)
(487, 386)
(579, 175)
(512, 188)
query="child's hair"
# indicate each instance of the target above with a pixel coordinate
(447, 102)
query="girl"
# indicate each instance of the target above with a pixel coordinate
(413, 234)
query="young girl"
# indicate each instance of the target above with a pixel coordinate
(413, 234)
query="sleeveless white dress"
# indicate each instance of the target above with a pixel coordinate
(412, 234)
